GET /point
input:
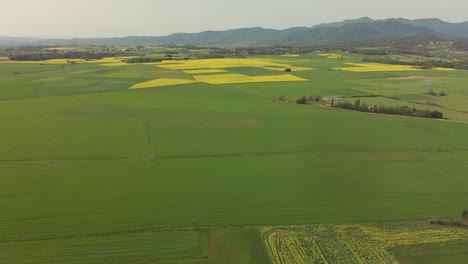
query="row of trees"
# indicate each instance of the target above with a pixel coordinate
(389, 51)
(310, 99)
(457, 222)
(46, 55)
(143, 60)
(390, 110)
(422, 64)
(434, 93)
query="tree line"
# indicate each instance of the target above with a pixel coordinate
(309, 100)
(389, 110)
(84, 55)
(422, 64)
(143, 60)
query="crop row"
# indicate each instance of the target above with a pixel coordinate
(353, 244)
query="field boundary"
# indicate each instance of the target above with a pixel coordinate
(231, 155)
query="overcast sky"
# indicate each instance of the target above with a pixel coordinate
(113, 18)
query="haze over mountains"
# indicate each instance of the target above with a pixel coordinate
(348, 33)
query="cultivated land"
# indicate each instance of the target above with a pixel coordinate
(354, 243)
(94, 170)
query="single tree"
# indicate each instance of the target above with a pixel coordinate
(194, 224)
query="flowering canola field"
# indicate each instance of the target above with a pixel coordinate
(104, 61)
(377, 67)
(226, 63)
(351, 243)
(205, 71)
(240, 78)
(160, 82)
(331, 55)
(291, 55)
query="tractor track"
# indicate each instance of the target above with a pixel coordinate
(234, 155)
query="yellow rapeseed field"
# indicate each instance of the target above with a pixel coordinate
(223, 64)
(108, 60)
(190, 66)
(293, 68)
(113, 60)
(212, 64)
(116, 64)
(291, 55)
(162, 62)
(160, 82)
(377, 67)
(55, 61)
(205, 71)
(103, 61)
(331, 55)
(351, 243)
(240, 78)
(400, 236)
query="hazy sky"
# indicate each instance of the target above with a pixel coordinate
(109, 18)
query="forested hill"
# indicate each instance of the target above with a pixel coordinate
(348, 33)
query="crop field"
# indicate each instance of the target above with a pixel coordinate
(376, 67)
(412, 90)
(228, 63)
(331, 55)
(291, 55)
(196, 171)
(205, 71)
(160, 82)
(111, 61)
(454, 253)
(239, 78)
(354, 243)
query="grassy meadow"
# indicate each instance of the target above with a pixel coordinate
(106, 162)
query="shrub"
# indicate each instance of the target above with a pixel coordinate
(195, 225)
(310, 99)
(437, 114)
(465, 214)
(431, 92)
(302, 100)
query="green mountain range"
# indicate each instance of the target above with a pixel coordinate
(349, 33)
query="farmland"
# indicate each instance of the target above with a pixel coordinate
(239, 78)
(355, 243)
(160, 82)
(446, 253)
(375, 67)
(192, 161)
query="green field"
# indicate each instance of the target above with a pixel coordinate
(454, 253)
(92, 172)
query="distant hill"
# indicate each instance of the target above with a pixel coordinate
(355, 34)
(12, 41)
(349, 33)
(345, 22)
(439, 26)
(434, 24)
